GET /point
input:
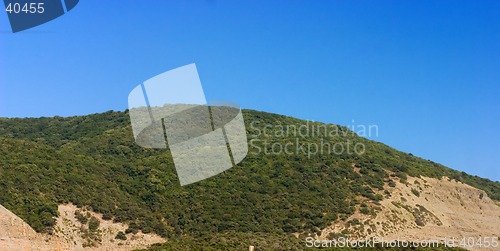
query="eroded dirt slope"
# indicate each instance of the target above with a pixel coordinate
(427, 209)
(69, 234)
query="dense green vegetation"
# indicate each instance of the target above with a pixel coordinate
(93, 161)
(241, 241)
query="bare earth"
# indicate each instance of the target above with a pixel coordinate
(443, 210)
(15, 234)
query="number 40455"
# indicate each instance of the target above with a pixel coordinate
(31, 8)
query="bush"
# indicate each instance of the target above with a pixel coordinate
(391, 183)
(80, 217)
(415, 192)
(121, 236)
(365, 210)
(93, 224)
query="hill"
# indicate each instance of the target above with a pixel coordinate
(92, 161)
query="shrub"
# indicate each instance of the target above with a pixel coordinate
(93, 224)
(365, 210)
(415, 192)
(121, 236)
(391, 183)
(80, 217)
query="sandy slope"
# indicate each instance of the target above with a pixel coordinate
(17, 235)
(444, 209)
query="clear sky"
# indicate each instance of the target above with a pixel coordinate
(427, 73)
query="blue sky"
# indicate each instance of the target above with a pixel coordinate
(426, 72)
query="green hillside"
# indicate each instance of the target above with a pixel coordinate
(265, 241)
(93, 161)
